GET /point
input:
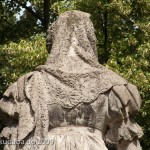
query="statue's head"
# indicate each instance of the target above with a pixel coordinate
(71, 23)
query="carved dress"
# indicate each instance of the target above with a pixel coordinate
(72, 100)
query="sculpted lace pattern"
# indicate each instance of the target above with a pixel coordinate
(72, 97)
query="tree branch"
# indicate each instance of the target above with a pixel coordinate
(29, 9)
(46, 13)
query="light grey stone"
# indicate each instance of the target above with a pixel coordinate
(72, 101)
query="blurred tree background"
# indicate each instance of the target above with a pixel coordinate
(122, 30)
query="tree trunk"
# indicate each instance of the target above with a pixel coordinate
(46, 13)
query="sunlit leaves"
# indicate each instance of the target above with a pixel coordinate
(17, 59)
(62, 6)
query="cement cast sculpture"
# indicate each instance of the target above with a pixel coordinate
(72, 100)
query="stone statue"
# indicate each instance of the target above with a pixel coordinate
(72, 102)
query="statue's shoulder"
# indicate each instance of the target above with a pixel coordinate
(16, 89)
(25, 78)
(23, 82)
(125, 91)
(109, 79)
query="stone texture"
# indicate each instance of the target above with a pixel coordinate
(72, 100)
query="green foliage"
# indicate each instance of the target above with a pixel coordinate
(63, 6)
(24, 18)
(16, 59)
(7, 20)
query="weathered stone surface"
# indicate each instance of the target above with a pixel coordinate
(72, 101)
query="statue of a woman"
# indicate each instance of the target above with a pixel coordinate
(72, 102)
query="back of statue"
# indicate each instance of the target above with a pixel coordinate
(72, 102)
